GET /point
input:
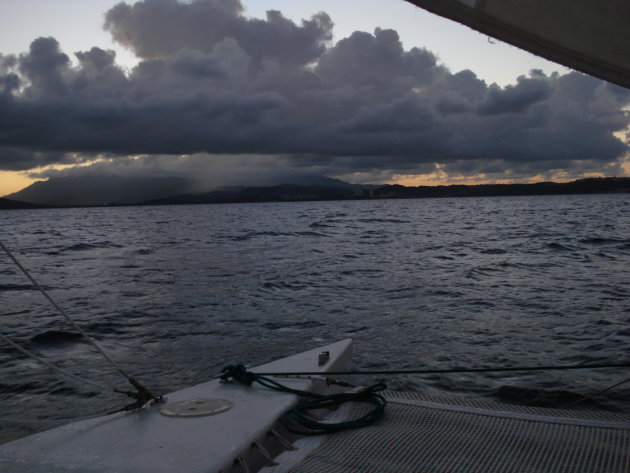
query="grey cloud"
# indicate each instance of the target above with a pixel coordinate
(97, 58)
(9, 79)
(9, 83)
(215, 82)
(20, 159)
(516, 98)
(45, 67)
(161, 28)
(378, 59)
(459, 92)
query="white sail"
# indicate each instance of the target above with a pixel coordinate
(592, 36)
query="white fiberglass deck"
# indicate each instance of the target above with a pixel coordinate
(147, 441)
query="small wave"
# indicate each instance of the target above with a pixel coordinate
(444, 292)
(56, 338)
(90, 246)
(17, 287)
(284, 325)
(136, 294)
(617, 293)
(360, 271)
(382, 220)
(478, 273)
(493, 251)
(603, 241)
(321, 225)
(17, 388)
(356, 330)
(250, 235)
(18, 312)
(112, 327)
(482, 303)
(558, 246)
(316, 234)
(64, 391)
(284, 285)
(244, 320)
(308, 324)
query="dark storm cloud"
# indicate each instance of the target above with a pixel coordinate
(18, 159)
(516, 98)
(161, 28)
(377, 61)
(44, 67)
(213, 82)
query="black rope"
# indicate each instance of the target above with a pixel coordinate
(300, 413)
(452, 370)
(471, 370)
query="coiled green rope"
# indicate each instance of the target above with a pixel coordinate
(298, 414)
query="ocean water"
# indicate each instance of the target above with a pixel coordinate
(175, 293)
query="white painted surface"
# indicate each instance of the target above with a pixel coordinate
(147, 441)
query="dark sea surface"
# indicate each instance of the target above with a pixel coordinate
(175, 293)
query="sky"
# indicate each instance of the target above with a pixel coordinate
(231, 92)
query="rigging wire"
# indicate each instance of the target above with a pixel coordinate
(454, 370)
(54, 367)
(143, 395)
(591, 396)
(61, 311)
(472, 370)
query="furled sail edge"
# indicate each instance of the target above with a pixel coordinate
(464, 12)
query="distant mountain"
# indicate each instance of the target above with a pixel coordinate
(281, 193)
(111, 190)
(318, 181)
(344, 191)
(598, 185)
(8, 204)
(77, 191)
(92, 190)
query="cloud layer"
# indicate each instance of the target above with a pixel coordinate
(214, 82)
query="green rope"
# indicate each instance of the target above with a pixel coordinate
(298, 414)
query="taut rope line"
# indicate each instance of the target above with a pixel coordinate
(52, 366)
(142, 396)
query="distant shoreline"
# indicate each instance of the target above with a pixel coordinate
(305, 193)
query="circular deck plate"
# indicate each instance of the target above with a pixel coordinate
(196, 408)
